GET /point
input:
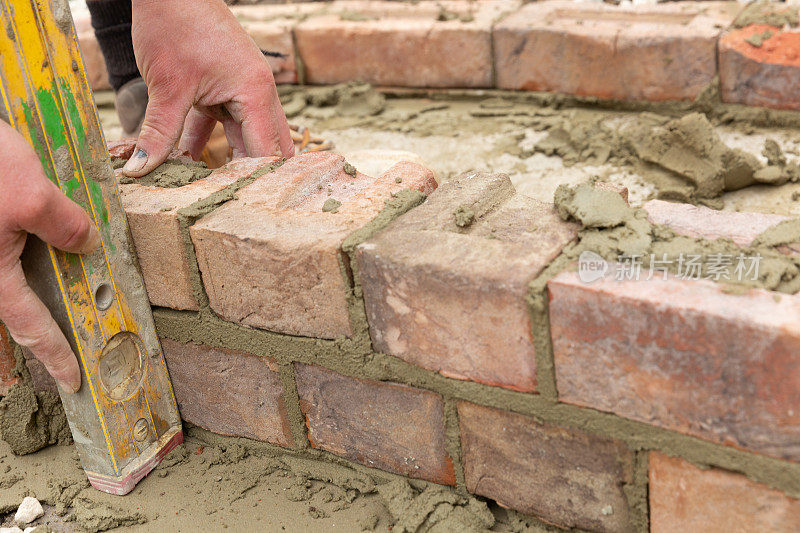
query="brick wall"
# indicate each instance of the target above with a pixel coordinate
(448, 339)
(669, 51)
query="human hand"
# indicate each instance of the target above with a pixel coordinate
(30, 203)
(201, 67)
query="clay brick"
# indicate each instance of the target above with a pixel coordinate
(381, 425)
(93, 60)
(7, 362)
(272, 258)
(766, 76)
(393, 43)
(566, 477)
(453, 299)
(153, 218)
(228, 391)
(685, 498)
(271, 26)
(699, 221)
(683, 355)
(644, 52)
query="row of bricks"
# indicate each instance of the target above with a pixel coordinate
(646, 52)
(451, 296)
(565, 476)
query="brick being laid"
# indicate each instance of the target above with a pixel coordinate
(272, 257)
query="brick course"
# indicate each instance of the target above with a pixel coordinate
(383, 425)
(661, 52)
(453, 299)
(684, 497)
(568, 478)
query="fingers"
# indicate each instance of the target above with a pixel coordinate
(57, 220)
(31, 325)
(161, 129)
(233, 132)
(264, 127)
(196, 132)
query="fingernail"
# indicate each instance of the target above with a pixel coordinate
(93, 241)
(137, 162)
(71, 388)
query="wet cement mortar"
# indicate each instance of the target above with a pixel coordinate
(725, 157)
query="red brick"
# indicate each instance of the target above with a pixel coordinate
(652, 52)
(566, 477)
(453, 299)
(400, 44)
(272, 259)
(683, 355)
(699, 221)
(7, 362)
(685, 498)
(228, 391)
(765, 76)
(381, 425)
(153, 218)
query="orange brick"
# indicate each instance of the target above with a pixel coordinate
(228, 391)
(685, 498)
(272, 258)
(382, 425)
(566, 477)
(765, 76)
(453, 299)
(394, 43)
(683, 355)
(698, 221)
(645, 52)
(153, 218)
(7, 362)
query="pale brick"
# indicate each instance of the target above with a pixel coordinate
(566, 477)
(644, 52)
(766, 76)
(683, 355)
(228, 391)
(7, 362)
(93, 61)
(272, 259)
(394, 43)
(684, 497)
(382, 425)
(453, 299)
(153, 218)
(698, 221)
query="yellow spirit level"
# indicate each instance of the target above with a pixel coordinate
(124, 419)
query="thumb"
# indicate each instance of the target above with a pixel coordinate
(161, 129)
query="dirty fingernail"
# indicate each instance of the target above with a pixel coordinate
(92, 241)
(71, 388)
(137, 162)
